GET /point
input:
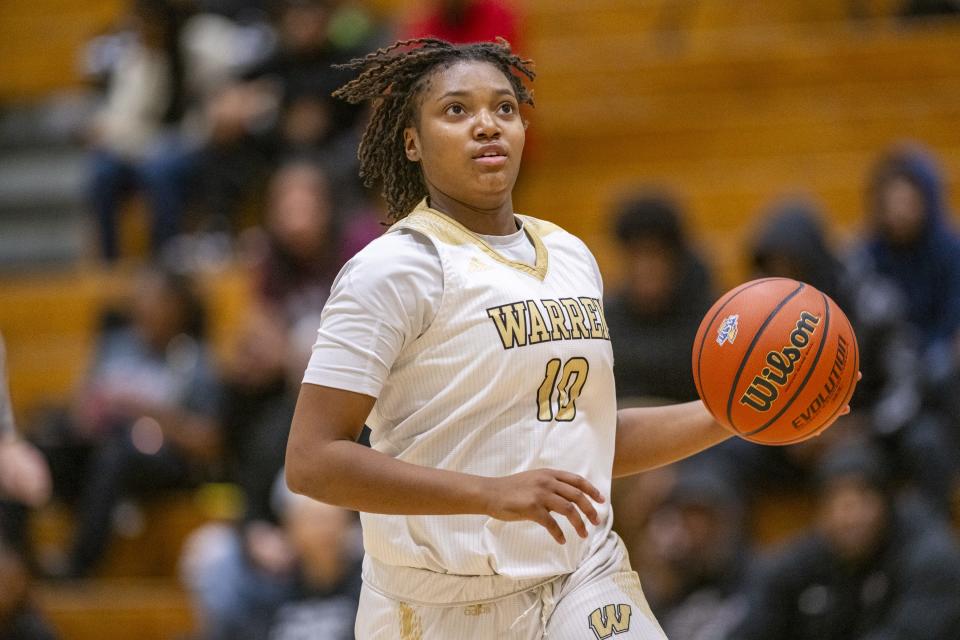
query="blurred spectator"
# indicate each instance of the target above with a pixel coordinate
(144, 418)
(913, 257)
(295, 260)
(467, 21)
(137, 141)
(283, 107)
(654, 317)
(694, 544)
(927, 8)
(300, 251)
(872, 569)
(19, 619)
(307, 237)
(296, 257)
(297, 580)
(791, 242)
(912, 243)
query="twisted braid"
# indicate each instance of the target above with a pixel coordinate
(392, 78)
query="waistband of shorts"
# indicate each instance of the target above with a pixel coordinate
(425, 587)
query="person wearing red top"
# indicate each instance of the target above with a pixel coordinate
(463, 21)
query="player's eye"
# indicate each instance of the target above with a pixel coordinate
(507, 108)
(455, 110)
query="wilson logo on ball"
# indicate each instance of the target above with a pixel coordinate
(765, 388)
(728, 330)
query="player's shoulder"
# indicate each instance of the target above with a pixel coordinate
(396, 251)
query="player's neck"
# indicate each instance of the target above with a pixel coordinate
(496, 221)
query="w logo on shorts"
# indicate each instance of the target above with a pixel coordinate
(610, 619)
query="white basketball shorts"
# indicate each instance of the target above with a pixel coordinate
(600, 600)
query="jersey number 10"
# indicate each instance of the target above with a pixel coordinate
(572, 376)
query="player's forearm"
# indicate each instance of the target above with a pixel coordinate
(349, 475)
(650, 437)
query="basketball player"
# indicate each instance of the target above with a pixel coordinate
(472, 341)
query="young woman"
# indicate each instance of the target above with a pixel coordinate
(472, 341)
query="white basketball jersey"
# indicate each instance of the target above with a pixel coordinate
(514, 373)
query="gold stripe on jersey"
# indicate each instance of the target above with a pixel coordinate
(447, 230)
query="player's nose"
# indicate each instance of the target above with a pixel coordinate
(485, 125)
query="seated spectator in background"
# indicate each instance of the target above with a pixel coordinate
(137, 139)
(792, 242)
(912, 244)
(295, 259)
(144, 418)
(929, 8)
(654, 316)
(872, 568)
(300, 251)
(692, 556)
(19, 619)
(299, 579)
(326, 584)
(281, 107)
(913, 253)
(463, 21)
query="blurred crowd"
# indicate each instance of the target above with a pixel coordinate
(880, 558)
(217, 116)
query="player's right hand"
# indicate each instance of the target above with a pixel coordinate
(532, 495)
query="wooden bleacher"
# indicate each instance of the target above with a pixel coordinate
(729, 114)
(143, 608)
(49, 323)
(40, 41)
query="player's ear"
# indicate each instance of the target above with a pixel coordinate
(411, 144)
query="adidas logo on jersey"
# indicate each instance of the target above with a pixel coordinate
(477, 265)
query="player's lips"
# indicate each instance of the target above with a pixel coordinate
(491, 155)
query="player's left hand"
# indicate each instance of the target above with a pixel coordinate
(533, 495)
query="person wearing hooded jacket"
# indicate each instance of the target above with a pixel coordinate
(911, 243)
(912, 248)
(873, 567)
(653, 317)
(792, 242)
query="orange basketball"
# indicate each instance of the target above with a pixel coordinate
(775, 360)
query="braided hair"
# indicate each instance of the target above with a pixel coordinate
(393, 78)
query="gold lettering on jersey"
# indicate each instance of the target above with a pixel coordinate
(609, 620)
(593, 317)
(534, 321)
(511, 322)
(555, 312)
(476, 610)
(578, 330)
(539, 332)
